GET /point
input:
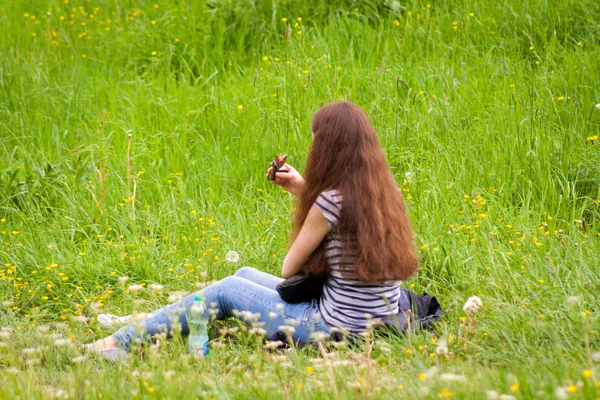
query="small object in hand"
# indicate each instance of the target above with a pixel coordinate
(276, 165)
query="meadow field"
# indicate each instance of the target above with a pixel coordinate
(134, 139)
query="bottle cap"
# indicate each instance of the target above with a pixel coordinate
(197, 298)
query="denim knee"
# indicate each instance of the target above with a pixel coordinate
(243, 271)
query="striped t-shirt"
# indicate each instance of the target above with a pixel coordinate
(346, 301)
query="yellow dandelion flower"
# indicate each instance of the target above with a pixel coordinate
(240, 107)
(587, 373)
(514, 387)
(396, 22)
(572, 389)
(153, 53)
(592, 138)
(422, 376)
(283, 19)
(153, 22)
(299, 32)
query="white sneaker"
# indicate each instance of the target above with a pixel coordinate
(109, 354)
(113, 321)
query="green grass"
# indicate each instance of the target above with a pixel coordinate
(486, 110)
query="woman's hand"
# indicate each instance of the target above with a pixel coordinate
(288, 178)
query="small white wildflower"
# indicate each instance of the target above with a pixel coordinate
(135, 318)
(272, 315)
(33, 361)
(274, 345)
(448, 377)
(43, 328)
(4, 335)
(280, 307)
(279, 359)
(81, 318)
(258, 331)
(232, 257)
(573, 300)
(135, 288)
(155, 287)
(318, 336)
(7, 303)
(62, 342)
(216, 345)
(598, 106)
(29, 351)
(168, 374)
(472, 304)
(441, 347)
(491, 395)
(177, 295)
(409, 177)
(123, 279)
(199, 285)
(506, 397)
(561, 393)
(341, 363)
(596, 356)
(147, 375)
(56, 393)
(3, 345)
(12, 370)
(286, 329)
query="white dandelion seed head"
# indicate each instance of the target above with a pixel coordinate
(123, 279)
(598, 106)
(232, 257)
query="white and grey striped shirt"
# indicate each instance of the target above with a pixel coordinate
(346, 301)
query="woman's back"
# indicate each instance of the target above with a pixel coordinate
(346, 301)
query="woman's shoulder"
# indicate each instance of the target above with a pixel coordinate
(334, 196)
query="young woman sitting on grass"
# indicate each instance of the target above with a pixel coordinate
(351, 225)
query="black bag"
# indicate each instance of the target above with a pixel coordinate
(301, 287)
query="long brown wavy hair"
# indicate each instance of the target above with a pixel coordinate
(346, 155)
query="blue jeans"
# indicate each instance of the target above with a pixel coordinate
(249, 295)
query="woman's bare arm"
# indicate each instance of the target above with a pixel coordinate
(313, 231)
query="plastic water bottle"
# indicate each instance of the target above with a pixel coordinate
(198, 337)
